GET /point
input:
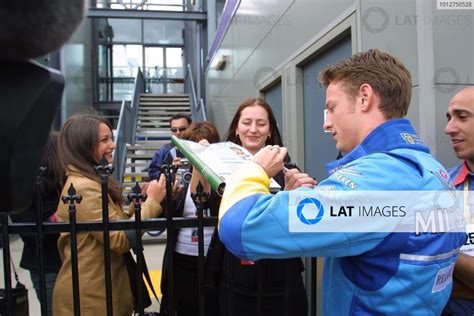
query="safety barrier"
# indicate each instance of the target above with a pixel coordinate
(40, 228)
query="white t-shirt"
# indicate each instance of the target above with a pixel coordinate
(187, 242)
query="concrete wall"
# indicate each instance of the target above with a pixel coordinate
(266, 40)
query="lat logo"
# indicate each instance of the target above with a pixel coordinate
(308, 203)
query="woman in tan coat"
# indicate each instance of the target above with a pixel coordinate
(84, 140)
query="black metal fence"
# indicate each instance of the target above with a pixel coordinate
(39, 228)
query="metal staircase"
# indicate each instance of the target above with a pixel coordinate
(152, 132)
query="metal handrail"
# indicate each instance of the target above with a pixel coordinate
(139, 88)
(122, 137)
(127, 127)
(196, 104)
(203, 110)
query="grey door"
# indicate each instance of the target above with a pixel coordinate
(319, 147)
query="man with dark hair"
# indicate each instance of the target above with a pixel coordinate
(371, 269)
(460, 128)
(168, 153)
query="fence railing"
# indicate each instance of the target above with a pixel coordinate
(138, 225)
(74, 228)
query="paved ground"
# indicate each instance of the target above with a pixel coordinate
(153, 254)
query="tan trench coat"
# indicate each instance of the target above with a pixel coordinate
(90, 254)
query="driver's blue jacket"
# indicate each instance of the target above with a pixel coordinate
(364, 273)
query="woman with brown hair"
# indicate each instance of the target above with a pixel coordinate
(254, 126)
(84, 140)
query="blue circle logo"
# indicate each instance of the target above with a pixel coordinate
(317, 204)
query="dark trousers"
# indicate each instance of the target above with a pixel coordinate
(283, 302)
(50, 278)
(186, 293)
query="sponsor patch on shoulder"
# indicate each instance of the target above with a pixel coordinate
(348, 182)
(325, 188)
(411, 138)
(352, 171)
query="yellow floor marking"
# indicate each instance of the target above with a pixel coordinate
(155, 276)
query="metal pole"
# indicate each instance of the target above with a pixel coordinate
(136, 197)
(259, 287)
(40, 241)
(104, 169)
(199, 198)
(287, 289)
(6, 265)
(72, 199)
(230, 296)
(314, 271)
(168, 171)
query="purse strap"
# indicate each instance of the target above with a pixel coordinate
(147, 275)
(14, 271)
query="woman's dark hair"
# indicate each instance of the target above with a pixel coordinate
(53, 180)
(274, 139)
(202, 130)
(78, 145)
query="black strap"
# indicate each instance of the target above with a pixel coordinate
(147, 275)
(14, 270)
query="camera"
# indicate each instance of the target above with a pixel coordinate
(183, 173)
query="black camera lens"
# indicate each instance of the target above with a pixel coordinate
(187, 177)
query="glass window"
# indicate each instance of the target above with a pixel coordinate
(126, 30)
(174, 62)
(163, 32)
(126, 60)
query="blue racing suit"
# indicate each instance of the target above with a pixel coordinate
(364, 273)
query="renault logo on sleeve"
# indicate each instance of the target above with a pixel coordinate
(312, 206)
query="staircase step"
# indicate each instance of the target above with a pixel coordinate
(152, 124)
(146, 147)
(152, 137)
(129, 185)
(135, 175)
(167, 95)
(152, 142)
(152, 119)
(164, 107)
(175, 99)
(138, 165)
(165, 115)
(140, 156)
(151, 129)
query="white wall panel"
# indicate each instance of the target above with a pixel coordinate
(391, 26)
(262, 37)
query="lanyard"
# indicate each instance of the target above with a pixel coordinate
(467, 213)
